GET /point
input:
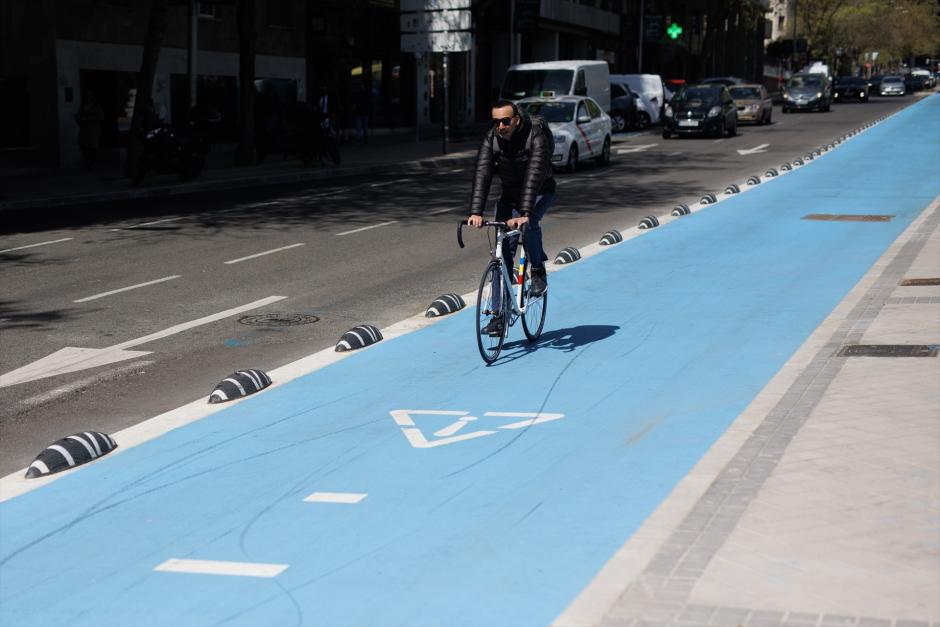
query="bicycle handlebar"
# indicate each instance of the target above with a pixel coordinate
(497, 225)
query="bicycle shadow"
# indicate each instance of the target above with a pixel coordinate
(566, 340)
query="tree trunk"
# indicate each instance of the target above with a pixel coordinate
(156, 27)
(246, 83)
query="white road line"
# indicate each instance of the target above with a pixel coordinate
(366, 228)
(195, 323)
(125, 289)
(54, 241)
(335, 497)
(267, 252)
(135, 226)
(456, 170)
(434, 213)
(212, 567)
(390, 182)
(673, 154)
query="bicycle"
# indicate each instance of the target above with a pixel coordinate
(494, 299)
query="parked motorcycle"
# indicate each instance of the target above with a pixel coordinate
(180, 150)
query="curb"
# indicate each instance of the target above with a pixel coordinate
(180, 189)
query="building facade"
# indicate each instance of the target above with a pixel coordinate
(52, 52)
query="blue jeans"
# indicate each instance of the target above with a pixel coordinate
(533, 239)
(533, 234)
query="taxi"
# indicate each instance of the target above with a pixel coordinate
(580, 127)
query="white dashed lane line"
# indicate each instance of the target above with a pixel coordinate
(349, 498)
(214, 567)
(262, 254)
(137, 226)
(125, 289)
(384, 183)
(54, 241)
(366, 228)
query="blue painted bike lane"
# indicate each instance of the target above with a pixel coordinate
(651, 350)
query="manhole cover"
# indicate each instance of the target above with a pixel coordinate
(847, 217)
(889, 350)
(920, 282)
(278, 320)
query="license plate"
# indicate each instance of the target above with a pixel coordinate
(688, 122)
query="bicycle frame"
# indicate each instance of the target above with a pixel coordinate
(496, 254)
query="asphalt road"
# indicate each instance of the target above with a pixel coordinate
(189, 258)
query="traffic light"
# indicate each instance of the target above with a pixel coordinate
(674, 31)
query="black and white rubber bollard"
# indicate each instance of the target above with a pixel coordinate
(649, 222)
(681, 210)
(358, 337)
(239, 384)
(69, 452)
(567, 255)
(445, 304)
(611, 237)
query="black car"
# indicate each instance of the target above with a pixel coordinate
(915, 82)
(623, 113)
(706, 109)
(874, 83)
(850, 88)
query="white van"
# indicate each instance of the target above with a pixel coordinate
(559, 78)
(649, 87)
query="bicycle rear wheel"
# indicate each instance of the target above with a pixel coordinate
(534, 317)
(492, 304)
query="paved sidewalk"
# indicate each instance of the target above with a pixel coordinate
(385, 155)
(821, 505)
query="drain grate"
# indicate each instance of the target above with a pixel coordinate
(920, 282)
(889, 350)
(278, 320)
(848, 217)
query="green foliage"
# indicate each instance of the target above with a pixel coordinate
(896, 29)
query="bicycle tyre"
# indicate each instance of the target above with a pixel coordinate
(489, 345)
(533, 320)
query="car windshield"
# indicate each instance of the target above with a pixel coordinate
(891, 79)
(805, 81)
(696, 95)
(745, 93)
(851, 80)
(550, 111)
(526, 83)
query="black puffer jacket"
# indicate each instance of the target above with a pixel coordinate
(525, 172)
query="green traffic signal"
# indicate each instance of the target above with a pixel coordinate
(674, 31)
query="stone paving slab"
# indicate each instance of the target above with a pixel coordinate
(821, 504)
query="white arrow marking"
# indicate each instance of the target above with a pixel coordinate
(754, 150)
(639, 148)
(71, 359)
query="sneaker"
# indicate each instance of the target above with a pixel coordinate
(493, 328)
(537, 282)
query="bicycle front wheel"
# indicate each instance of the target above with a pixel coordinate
(534, 317)
(492, 313)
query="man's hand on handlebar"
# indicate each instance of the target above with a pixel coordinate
(476, 221)
(516, 223)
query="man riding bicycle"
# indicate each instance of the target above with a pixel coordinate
(519, 148)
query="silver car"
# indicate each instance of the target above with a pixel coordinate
(892, 86)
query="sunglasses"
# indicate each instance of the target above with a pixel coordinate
(503, 121)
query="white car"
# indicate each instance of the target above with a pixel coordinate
(581, 128)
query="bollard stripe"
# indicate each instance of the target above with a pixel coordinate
(87, 446)
(94, 442)
(65, 454)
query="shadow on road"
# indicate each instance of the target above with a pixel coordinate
(566, 340)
